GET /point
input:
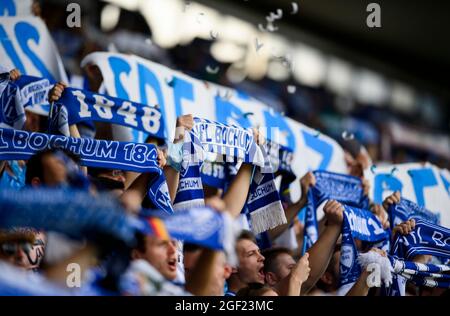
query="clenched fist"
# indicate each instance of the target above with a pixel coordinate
(55, 93)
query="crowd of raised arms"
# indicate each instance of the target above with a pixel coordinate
(57, 237)
(206, 211)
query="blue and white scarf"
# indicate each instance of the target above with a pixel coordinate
(76, 214)
(281, 158)
(405, 210)
(231, 141)
(58, 120)
(15, 96)
(331, 186)
(83, 105)
(34, 93)
(202, 226)
(21, 145)
(12, 113)
(263, 202)
(158, 193)
(365, 226)
(190, 188)
(426, 239)
(218, 174)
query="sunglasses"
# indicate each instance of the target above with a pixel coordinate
(11, 248)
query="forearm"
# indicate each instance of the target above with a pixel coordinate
(172, 179)
(130, 177)
(140, 185)
(73, 130)
(290, 213)
(202, 275)
(360, 288)
(236, 195)
(320, 255)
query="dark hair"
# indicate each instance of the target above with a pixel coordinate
(271, 255)
(352, 146)
(187, 247)
(253, 289)
(35, 167)
(246, 234)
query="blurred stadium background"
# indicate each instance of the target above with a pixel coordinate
(322, 66)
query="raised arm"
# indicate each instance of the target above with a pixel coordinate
(321, 252)
(291, 285)
(184, 124)
(292, 210)
(140, 184)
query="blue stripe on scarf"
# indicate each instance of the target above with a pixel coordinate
(265, 207)
(426, 239)
(21, 145)
(263, 202)
(76, 214)
(158, 193)
(217, 137)
(12, 113)
(33, 90)
(201, 226)
(405, 210)
(83, 105)
(331, 186)
(363, 225)
(190, 187)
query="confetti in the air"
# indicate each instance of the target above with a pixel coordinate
(372, 168)
(277, 16)
(347, 135)
(247, 114)
(170, 81)
(213, 35)
(226, 95)
(317, 134)
(393, 170)
(294, 8)
(291, 89)
(258, 45)
(186, 5)
(200, 17)
(211, 70)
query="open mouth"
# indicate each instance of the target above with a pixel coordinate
(261, 273)
(172, 264)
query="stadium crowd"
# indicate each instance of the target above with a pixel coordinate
(91, 253)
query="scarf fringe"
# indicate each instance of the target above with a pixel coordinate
(267, 217)
(185, 205)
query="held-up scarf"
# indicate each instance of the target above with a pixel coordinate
(190, 188)
(426, 239)
(363, 225)
(27, 91)
(76, 214)
(331, 186)
(202, 226)
(405, 210)
(83, 105)
(263, 202)
(21, 145)
(12, 113)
